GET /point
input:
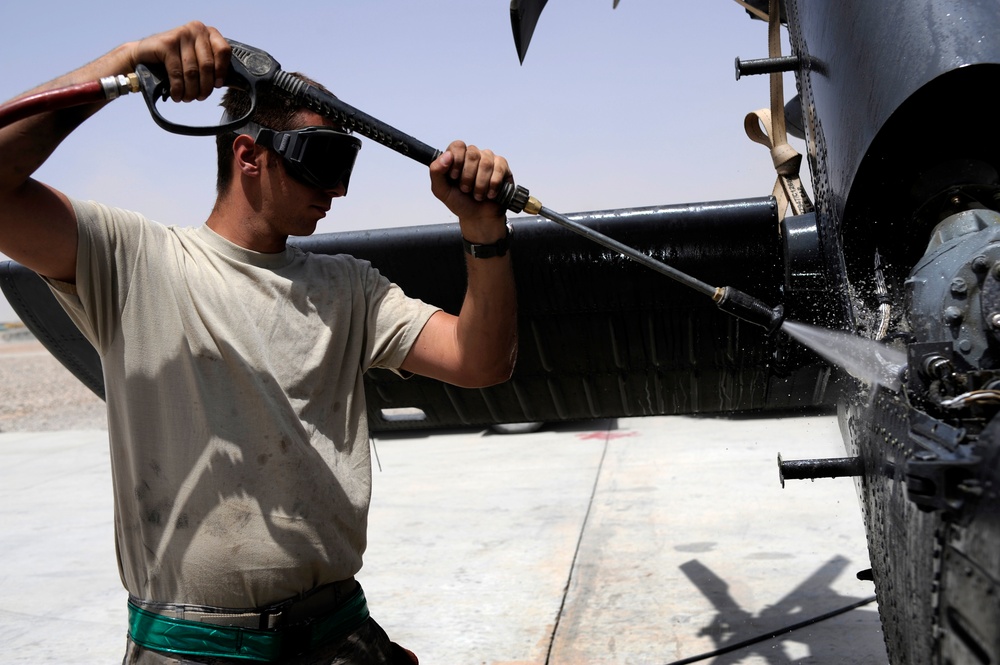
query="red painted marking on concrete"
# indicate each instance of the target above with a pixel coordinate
(598, 436)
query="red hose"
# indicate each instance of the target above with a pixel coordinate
(51, 100)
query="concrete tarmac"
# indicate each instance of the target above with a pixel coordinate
(642, 540)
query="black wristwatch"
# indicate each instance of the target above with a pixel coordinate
(498, 248)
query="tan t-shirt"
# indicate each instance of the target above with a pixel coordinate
(236, 408)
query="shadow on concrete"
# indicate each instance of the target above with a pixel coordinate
(733, 630)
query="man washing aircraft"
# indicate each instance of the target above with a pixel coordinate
(234, 366)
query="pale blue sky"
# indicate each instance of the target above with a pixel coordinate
(612, 108)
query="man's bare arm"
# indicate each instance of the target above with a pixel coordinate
(37, 223)
(477, 348)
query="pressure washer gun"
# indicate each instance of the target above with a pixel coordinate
(251, 68)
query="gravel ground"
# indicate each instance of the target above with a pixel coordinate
(40, 395)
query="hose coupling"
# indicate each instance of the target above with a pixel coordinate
(517, 199)
(122, 84)
(739, 304)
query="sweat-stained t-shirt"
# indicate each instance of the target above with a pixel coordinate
(236, 408)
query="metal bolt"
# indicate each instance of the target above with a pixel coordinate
(958, 286)
(980, 264)
(995, 271)
(838, 467)
(971, 486)
(995, 320)
(936, 366)
(953, 316)
(785, 63)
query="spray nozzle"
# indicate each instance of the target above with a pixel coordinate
(746, 307)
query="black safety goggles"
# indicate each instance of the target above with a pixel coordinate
(319, 156)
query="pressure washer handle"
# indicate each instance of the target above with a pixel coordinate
(248, 68)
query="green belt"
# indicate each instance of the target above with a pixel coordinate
(194, 638)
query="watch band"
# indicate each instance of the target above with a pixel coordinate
(498, 248)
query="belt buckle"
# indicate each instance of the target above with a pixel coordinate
(271, 616)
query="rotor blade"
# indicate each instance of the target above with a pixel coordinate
(523, 17)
